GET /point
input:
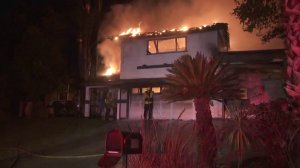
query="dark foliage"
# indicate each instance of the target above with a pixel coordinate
(265, 16)
(39, 50)
(267, 130)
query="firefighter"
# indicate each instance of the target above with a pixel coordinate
(148, 104)
(110, 106)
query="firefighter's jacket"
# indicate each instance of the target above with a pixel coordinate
(110, 102)
(148, 97)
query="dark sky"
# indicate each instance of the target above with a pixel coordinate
(17, 15)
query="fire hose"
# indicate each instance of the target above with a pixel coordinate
(51, 156)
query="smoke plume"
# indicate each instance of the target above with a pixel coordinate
(158, 15)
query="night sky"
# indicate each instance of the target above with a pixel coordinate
(17, 15)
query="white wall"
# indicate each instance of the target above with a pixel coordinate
(165, 110)
(134, 54)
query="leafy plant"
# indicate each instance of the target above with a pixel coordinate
(267, 130)
(169, 144)
(202, 78)
(238, 133)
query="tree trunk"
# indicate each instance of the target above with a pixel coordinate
(206, 133)
(292, 10)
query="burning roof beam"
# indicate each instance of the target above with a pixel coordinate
(137, 32)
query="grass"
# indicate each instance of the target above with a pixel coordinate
(46, 135)
(82, 136)
(167, 144)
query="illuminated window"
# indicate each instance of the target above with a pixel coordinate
(144, 90)
(181, 44)
(156, 89)
(136, 91)
(167, 45)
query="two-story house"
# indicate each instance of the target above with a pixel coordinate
(145, 59)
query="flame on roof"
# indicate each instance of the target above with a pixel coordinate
(137, 32)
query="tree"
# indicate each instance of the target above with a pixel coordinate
(265, 16)
(39, 66)
(90, 22)
(202, 79)
(45, 57)
(277, 18)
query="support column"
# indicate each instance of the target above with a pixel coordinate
(171, 110)
(119, 108)
(87, 99)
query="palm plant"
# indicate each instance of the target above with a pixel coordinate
(202, 79)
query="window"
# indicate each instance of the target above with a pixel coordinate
(143, 90)
(136, 90)
(177, 44)
(156, 89)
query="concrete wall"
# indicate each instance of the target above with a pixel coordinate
(134, 54)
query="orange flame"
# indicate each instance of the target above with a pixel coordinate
(110, 71)
(132, 31)
(136, 31)
(184, 28)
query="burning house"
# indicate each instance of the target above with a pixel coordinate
(145, 58)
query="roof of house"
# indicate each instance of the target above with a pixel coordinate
(264, 61)
(254, 56)
(204, 28)
(127, 83)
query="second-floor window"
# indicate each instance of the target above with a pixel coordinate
(177, 44)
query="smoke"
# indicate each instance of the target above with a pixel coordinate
(111, 52)
(155, 15)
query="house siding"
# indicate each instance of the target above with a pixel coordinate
(134, 54)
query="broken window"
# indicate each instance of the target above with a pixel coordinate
(177, 44)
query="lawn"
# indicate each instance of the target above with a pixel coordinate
(51, 136)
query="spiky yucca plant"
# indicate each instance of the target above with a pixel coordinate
(202, 79)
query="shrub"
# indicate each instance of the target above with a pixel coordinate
(167, 144)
